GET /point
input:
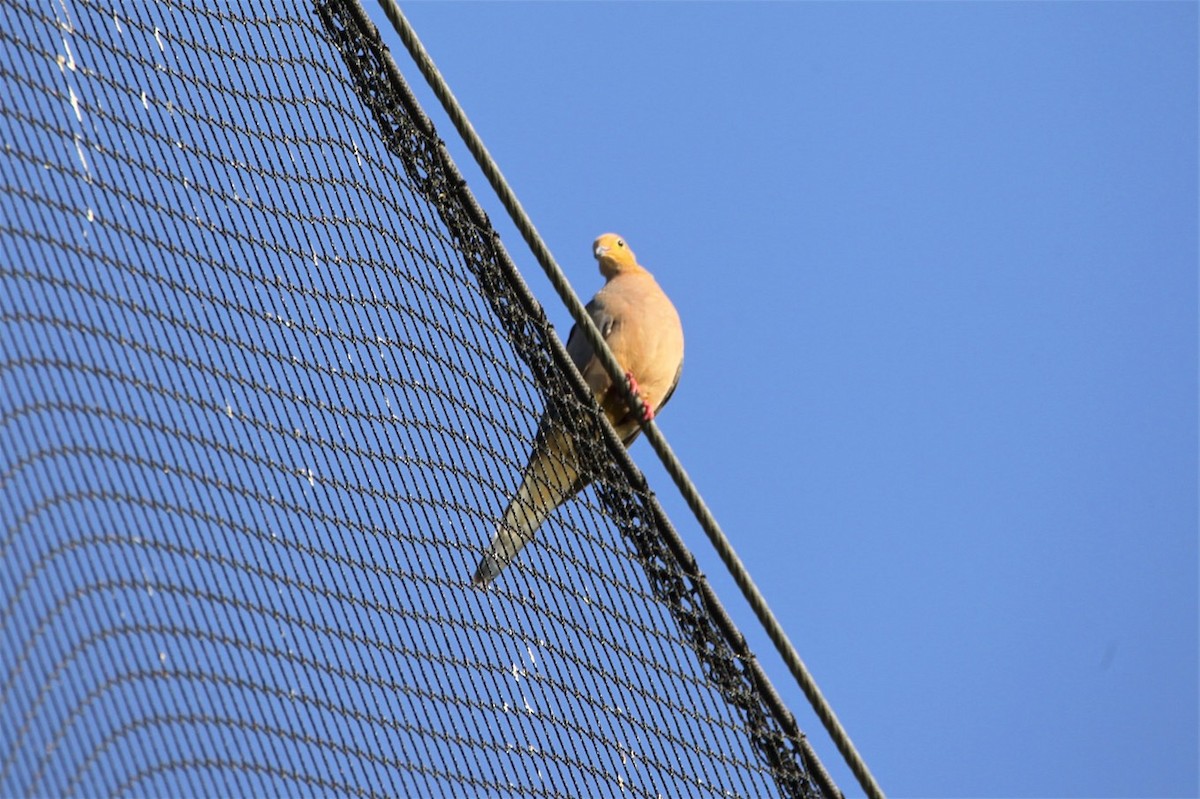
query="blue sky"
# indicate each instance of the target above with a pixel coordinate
(936, 264)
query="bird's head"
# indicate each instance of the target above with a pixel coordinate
(614, 255)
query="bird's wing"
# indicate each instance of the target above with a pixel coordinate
(581, 351)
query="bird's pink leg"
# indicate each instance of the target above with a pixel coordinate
(633, 386)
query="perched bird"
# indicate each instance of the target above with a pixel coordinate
(642, 329)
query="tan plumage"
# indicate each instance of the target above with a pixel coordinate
(642, 328)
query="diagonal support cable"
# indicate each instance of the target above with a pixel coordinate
(667, 456)
(727, 659)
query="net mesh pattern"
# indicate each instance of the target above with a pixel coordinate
(265, 388)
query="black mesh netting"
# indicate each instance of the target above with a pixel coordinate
(265, 387)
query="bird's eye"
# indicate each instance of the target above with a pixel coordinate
(620, 243)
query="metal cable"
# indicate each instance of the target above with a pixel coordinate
(442, 181)
(671, 463)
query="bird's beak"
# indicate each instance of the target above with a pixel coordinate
(600, 250)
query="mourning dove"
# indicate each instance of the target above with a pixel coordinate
(642, 329)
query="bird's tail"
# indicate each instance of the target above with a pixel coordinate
(551, 478)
